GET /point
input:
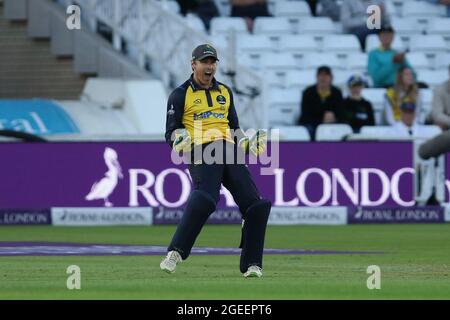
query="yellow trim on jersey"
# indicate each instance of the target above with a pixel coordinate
(204, 123)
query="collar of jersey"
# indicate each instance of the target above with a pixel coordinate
(195, 86)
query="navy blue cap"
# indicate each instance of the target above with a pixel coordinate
(204, 51)
(356, 80)
(410, 106)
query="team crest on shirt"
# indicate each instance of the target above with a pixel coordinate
(221, 100)
(198, 101)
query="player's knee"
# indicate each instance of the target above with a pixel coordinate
(259, 210)
(201, 201)
(212, 196)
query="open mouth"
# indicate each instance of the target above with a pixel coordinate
(208, 74)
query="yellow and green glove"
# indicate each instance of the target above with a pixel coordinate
(182, 142)
(256, 144)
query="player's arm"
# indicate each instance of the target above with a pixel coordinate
(255, 144)
(176, 135)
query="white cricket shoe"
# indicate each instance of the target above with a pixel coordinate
(170, 262)
(253, 272)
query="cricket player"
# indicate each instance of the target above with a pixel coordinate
(201, 114)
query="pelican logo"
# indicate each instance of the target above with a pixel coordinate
(101, 190)
(221, 100)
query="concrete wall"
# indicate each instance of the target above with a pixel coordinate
(91, 53)
(15, 9)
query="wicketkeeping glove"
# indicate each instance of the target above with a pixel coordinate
(256, 144)
(183, 141)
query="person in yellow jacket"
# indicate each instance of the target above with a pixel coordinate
(405, 90)
(201, 115)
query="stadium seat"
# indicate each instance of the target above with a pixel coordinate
(405, 26)
(378, 132)
(195, 22)
(219, 41)
(279, 61)
(318, 25)
(254, 43)
(253, 61)
(277, 26)
(333, 132)
(171, 6)
(298, 44)
(442, 60)
(346, 43)
(373, 42)
(432, 44)
(418, 60)
(300, 79)
(224, 7)
(427, 100)
(392, 8)
(439, 26)
(222, 25)
(429, 131)
(422, 9)
(283, 8)
(274, 78)
(433, 77)
(315, 60)
(340, 78)
(357, 62)
(376, 97)
(294, 133)
(284, 106)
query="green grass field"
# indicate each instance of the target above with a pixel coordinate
(415, 265)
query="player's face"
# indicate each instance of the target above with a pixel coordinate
(204, 71)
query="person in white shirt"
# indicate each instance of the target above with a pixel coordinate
(408, 127)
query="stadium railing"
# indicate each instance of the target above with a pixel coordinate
(162, 41)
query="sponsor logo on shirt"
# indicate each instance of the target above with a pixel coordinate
(208, 114)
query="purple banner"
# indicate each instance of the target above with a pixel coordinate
(447, 177)
(141, 174)
(25, 217)
(220, 216)
(395, 215)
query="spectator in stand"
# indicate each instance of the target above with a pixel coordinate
(329, 8)
(354, 18)
(442, 2)
(440, 112)
(249, 9)
(204, 9)
(405, 90)
(320, 102)
(356, 111)
(384, 62)
(313, 5)
(408, 125)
